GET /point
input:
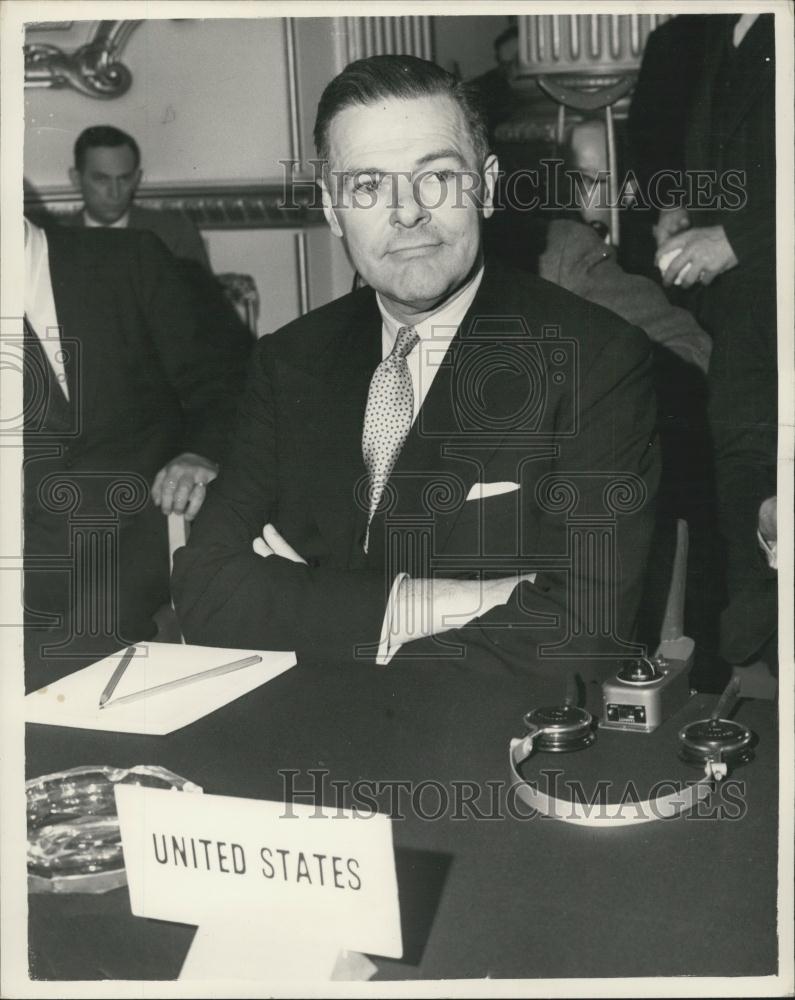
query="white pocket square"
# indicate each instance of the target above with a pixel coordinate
(482, 490)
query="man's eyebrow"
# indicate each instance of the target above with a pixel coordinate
(448, 153)
(350, 172)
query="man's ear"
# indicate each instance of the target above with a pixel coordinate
(137, 179)
(74, 177)
(491, 171)
(328, 209)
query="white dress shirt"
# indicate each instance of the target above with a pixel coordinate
(435, 332)
(121, 223)
(40, 302)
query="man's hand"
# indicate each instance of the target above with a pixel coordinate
(180, 486)
(272, 544)
(706, 249)
(670, 222)
(767, 531)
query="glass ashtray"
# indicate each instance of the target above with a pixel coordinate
(74, 843)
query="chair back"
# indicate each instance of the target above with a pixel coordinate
(674, 644)
(166, 618)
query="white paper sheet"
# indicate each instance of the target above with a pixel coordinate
(74, 700)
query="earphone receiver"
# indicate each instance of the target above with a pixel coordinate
(562, 728)
(718, 740)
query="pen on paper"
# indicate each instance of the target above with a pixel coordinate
(225, 668)
(116, 676)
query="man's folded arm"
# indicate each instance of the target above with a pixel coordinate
(227, 595)
(616, 437)
(237, 598)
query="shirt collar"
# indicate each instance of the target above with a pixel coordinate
(441, 324)
(36, 261)
(120, 223)
(741, 28)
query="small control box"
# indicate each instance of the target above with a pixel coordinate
(644, 693)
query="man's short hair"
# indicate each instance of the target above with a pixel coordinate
(508, 35)
(378, 78)
(103, 135)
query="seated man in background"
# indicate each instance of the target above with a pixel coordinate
(107, 171)
(578, 256)
(406, 458)
(130, 384)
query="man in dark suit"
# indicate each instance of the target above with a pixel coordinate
(107, 172)
(494, 86)
(667, 83)
(130, 385)
(455, 462)
(726, 257)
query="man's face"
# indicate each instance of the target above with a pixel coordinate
(404, 193)
(588, 146)
(508, 57)
(107, 182)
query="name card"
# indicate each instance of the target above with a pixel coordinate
(297, 869)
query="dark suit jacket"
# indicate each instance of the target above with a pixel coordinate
(148, 379)
(174, 228)
(669, 73)
(732, 127)
(537, 382)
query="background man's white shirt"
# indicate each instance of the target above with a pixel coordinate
(120, 223)
(742, 28)
(40, 302)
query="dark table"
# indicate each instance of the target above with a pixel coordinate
(500, 897)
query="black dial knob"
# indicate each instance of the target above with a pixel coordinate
(639, 671)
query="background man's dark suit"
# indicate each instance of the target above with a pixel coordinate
(175, 229)
(155, 371)
(732, 127)
(667, 82)
(296, 461)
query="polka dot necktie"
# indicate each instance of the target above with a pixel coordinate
(387, 419)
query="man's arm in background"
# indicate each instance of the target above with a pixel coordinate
(204, 349)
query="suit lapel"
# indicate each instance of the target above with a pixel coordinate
(44, 398)
(328, 425)
(698, 130)
(755, 53)
(448, 444)
(70, 289)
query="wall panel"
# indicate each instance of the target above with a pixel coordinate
(208, 102)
